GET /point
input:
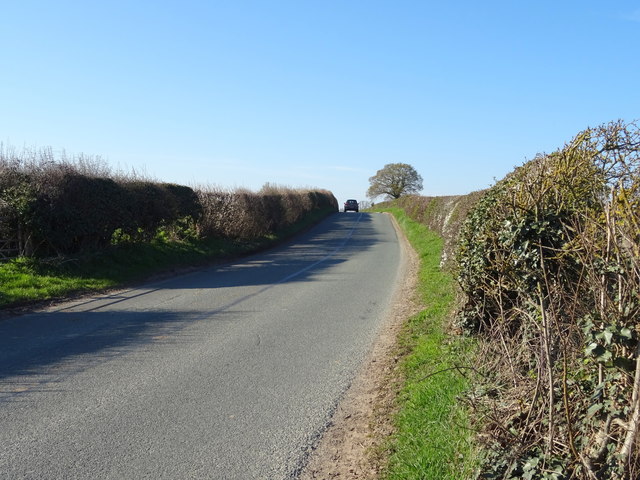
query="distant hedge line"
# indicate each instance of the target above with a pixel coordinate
(444, 215)
(245, 214)
(57, 208)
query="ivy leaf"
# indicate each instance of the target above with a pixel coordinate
(593, 409)
(595, 349)
(626, 332)
(608, 336)
(531, 464)
(605, 357)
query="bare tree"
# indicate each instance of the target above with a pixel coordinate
(394, 180)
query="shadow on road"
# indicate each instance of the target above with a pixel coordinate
(47, 347)
(328, 244)
(40, 349)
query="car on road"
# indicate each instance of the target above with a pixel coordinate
(351, 205)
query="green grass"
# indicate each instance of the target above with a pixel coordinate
(432, 439)
(27, 280)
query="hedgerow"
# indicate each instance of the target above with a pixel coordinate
(61, 206)
(444, 215)
(244, 214)
(548, 267)
(548, 261)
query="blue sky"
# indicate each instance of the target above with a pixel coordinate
(315, 93)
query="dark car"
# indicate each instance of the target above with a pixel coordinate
(351, 205)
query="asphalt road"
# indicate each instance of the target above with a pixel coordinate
(230, 372)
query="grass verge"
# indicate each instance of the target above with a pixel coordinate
(433, 439)
(27, 280)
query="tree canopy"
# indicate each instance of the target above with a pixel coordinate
(394, 180)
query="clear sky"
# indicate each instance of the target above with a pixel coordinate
(315, 93)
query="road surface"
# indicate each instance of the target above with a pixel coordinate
(230, 372)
